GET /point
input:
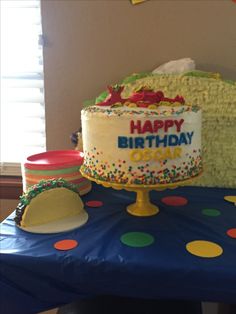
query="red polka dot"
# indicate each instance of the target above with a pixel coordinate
(174, 200)
(232, 233)
(94, 203)
(65, 245)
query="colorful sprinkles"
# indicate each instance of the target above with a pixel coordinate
(127, 111)
(119, 172)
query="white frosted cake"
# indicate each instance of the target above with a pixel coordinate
(143, 140)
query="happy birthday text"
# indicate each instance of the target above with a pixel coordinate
(142, 146)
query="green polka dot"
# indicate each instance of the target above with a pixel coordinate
(211, 212)
(137, 239)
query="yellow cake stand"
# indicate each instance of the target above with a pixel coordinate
(142, 206)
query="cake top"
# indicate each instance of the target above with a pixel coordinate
(144, 97)
(143, 101)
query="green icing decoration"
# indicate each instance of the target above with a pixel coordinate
(44, 185)
(135, 76)
(197, 73)
(101, 97)
(36, 189)
(204, 74)
(229, 82)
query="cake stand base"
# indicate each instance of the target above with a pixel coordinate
(142, 206)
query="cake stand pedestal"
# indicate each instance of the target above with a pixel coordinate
(142, 206)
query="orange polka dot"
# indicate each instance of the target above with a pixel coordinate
(65, 245)
(232, 233)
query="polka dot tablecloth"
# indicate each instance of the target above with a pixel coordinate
(185, 251)
(137, 239)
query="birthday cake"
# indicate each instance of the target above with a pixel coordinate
(48, 201)
(146, 138)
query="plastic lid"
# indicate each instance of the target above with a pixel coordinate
(55, 159)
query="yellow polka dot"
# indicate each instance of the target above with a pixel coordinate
(230, 198)
(204, 248)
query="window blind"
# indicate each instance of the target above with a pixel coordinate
(22, 86)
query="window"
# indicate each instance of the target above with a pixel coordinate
(22, 88)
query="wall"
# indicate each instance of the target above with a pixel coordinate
(90, 44)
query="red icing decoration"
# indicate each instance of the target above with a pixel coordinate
(174, 200)
(178, 98)
(151, 97)
(143, 98)
(136, 97)
(94, 203)
(113, 97)
(148, 96)
(232, 233)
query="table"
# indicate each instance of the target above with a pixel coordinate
(36, 277)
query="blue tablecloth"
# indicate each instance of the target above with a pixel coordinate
(36, 277)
